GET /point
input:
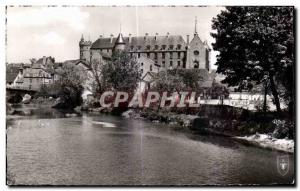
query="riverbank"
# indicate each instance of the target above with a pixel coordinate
(270, 133)
(269, 142)
(235, 123)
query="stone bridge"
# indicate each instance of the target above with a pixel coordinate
(15, 95)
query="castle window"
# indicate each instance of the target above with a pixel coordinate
(171, 55)
(178, 46)
(139, 55)
(148, 54)
(142, 64)
(155, 55)
(196, 64)
(196, 52)
(130, 55)
(178, 63)
(178, 54)
(163, 63)
(151, 67)
(163, 55)
(142, 71)
(171, 63)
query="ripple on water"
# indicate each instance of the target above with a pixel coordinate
(104, 124)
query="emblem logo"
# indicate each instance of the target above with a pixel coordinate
(283, 164)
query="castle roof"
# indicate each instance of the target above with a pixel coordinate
(143, 43)
(120, 39)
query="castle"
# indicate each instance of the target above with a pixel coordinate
(163, 51)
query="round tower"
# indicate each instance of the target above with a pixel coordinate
(120, 43)
(84, 49)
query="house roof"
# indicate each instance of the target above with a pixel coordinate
(143, 42)
(11, 73)
(41, 62)
(78, 61)
(36, 72)
(151, 77)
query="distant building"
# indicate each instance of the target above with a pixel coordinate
(166, 51)
(153, 53)
(41, 71)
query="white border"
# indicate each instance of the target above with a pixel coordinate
(111, 2)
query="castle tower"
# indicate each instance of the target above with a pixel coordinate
(198, 52)
(120, 43)
(196, 33)
(84, 49)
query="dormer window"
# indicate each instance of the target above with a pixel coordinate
(131, 47)
(139, 47)
(196, 52)
(178, 46)
(171, 47)
(156, 47)
(163, 47)
(148, 47)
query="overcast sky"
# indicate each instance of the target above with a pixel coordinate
(33, 32)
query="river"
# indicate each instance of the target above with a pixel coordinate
(46, 148)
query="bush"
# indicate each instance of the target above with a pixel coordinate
(283, 129)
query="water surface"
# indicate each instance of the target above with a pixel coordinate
(44, 147)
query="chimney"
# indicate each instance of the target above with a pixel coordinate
(44, 60)
(156, 34)
(129, 38)
(168, 34)
(100, 36)
(111, 38)
(146, 35)
(188, 39)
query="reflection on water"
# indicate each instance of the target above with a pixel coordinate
(44, 147)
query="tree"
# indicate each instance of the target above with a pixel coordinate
(70, 86)
(96, 68)
(255, 43)
(122, 73)
(177, 80)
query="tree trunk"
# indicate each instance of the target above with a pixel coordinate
(265, 98)
(275, 93)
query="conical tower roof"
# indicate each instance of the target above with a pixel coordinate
(120, 39)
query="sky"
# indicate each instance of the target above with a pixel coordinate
(33, 32)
